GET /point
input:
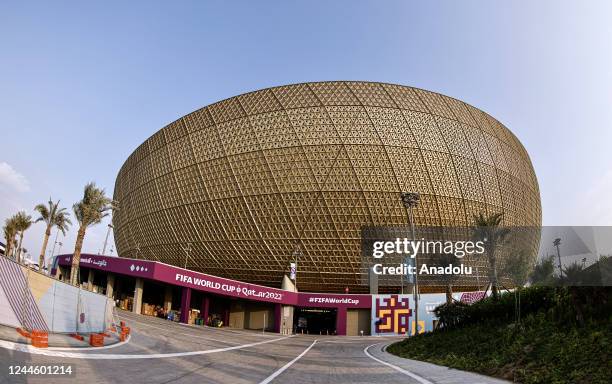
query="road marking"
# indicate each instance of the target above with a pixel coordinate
(418, 378)
(90, 348)
(38, 351)
(181, 333)
(284, 367)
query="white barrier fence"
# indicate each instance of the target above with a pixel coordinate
(31, 300)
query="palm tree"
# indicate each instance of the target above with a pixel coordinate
(88, 211)
(53, 216)
(487, 229)
(23, 221)
(517, 269)
(444, 260)
(10, 231)
(543, 272)
(574, 275)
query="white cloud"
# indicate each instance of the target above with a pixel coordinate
(13, 179)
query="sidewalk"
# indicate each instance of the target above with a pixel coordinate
(433, 373)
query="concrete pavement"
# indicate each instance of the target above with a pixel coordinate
(160, 351)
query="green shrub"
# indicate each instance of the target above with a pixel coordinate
(561, 304)
(548, 346)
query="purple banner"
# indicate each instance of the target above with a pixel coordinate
(207, 283)
(227, 287)
(130, 267)
(325, 300)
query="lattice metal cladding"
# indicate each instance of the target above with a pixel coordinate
(248, 179)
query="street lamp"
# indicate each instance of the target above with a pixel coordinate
(410, 201)
(110, 227)
(556, 243)
(187, 249)
(54, 244)
(296, 254)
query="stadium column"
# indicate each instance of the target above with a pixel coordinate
(168, 298)
(226, 316)
(205, 309)
(278, 318)
(137, 304)
(341, 321)
(185, 305)
(90, 279)
(110, 285)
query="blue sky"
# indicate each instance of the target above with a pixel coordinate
(83, 84)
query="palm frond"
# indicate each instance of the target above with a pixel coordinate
(94, 206)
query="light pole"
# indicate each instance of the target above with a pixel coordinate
(410, 201)
(54, 244)
(187, 249)
(110, 227)
(296, 254)
(556, 243)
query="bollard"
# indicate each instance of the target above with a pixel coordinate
(40, 339)
(96, 339)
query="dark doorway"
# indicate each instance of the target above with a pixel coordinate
(317, 321)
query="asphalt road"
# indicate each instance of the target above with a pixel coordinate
(160, 351)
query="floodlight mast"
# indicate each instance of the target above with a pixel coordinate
(187, 249)
(296, 254)
(410, 200)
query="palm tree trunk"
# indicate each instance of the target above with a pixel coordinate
(41, 258)
(449, 293)
(76, 257)
(493, 277)
(519, 305)
(9, 247)
(19, 247)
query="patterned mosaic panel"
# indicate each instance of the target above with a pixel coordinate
(391, 314)
(248, 180)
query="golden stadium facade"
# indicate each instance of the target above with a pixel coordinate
(246, 181)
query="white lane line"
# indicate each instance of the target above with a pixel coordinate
(99, 356)
(418, 378)
(284, 367)
(184, 334)
(90, 348)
